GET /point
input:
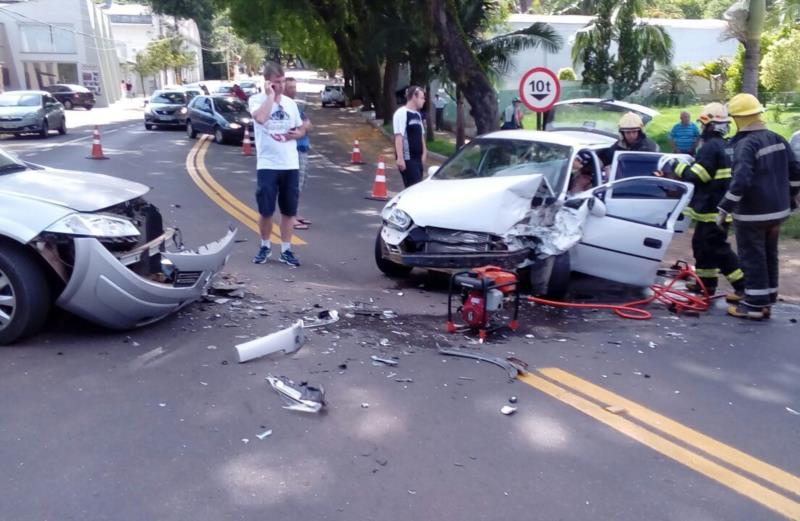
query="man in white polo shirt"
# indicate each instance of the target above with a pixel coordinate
(277, 126)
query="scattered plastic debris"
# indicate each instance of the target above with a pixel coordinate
(386, 361)
(508, 410)
(264, 434)
(513, 399)
(512, 369)
(792, 411)
(323, 318)
(384, 342)
(365, 405)
(287, 340)
(303, 397)
(404, 380)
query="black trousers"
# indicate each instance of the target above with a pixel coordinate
(713, 255)
(758, 255)
(439, 118)
(413, 172)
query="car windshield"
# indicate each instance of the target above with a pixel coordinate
(600, 117)
(20, 100)
(330, 88)
(247, 85)
(169, 98)
(9, 162)
(229, 105)
(508, 157)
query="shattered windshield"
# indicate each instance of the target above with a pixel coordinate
(599, 117)
(508, 157)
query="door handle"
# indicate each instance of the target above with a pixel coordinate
(652, 243)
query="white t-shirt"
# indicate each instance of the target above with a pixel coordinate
(274, 152)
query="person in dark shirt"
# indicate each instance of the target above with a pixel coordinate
(409, 137)
(632, 138)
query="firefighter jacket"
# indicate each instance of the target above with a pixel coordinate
(766, 177)
(642, 144)
(710, 173)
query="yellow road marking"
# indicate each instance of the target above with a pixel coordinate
(195, 166)
(731, 455)
(758, 493)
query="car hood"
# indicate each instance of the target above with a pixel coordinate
(17, 111)
(490, 204)
(79, 191)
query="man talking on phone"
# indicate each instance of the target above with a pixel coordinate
(277, 126)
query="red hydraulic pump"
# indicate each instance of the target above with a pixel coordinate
(483, 292)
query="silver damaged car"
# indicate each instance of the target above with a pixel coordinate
(92, 245)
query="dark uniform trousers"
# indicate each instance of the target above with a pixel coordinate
(713, 254)
(758, 256)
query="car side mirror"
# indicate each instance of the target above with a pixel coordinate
(432, 170)
(597, 207)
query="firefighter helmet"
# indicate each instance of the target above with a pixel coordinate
(744, 105)
(630, 121)
(715, 112)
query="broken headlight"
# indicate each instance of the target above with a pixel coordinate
(397, 218)
(94, 225)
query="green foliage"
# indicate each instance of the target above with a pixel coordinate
(735, 72)
(780, 67)
(716, 8)
(164, 54)
(672, 87)
(201, 11)
(715, 72)
(253, 56)
(567, 74)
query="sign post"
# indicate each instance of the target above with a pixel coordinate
(539, 90)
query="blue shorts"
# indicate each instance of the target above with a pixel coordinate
(280, 184)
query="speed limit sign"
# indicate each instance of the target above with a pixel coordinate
(539, 89)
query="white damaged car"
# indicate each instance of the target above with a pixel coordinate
(505, 199)
(92, 245)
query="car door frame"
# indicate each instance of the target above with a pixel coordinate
(51, 111)
(624, 249)
(205, 116)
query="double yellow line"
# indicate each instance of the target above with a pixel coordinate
(695, 449)
(196, 167)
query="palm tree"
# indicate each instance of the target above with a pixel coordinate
(671, 86)
(746, 26)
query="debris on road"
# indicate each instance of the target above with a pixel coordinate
(264, 434)
(513, 399)
(288, 340)
(323, 318)
(512, 369)
(508, 410)
(365, 405)
(303, 397)
(792, 411)
(385, 361)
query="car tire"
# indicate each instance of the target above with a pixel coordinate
(24, 294)
(148, 126)
(63, 128)
(558, 284)
(387, 267)
(68, 105)
(190, 131)
(89, 107)
(219, 137)
(45, 131)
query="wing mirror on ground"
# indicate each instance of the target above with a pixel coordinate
(432, 170)
(597, 207)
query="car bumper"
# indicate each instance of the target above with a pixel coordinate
(21, 128)
(179, 120)
(233, 134)
(103, 290)
(508, 260)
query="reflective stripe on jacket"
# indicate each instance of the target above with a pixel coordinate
(710, 173)
(766, 177)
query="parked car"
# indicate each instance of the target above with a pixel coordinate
(72, 96)
(166, 108)
(92, 245)
(505, 199)
(334, 95)
(31, 112)
(249, 87)
(225, 117)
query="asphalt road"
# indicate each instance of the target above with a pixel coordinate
(675, 418)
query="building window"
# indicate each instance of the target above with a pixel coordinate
(47, 39)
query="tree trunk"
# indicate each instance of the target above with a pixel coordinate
(463, 67)
(752, 57)
(460, 137)
(431, 128)
(390, 74)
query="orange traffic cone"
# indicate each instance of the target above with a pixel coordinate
(379, 192)
(355, 157)
(247, 145)
(97, 148)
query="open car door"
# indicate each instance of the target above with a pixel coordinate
(637, 164)
(629, 230)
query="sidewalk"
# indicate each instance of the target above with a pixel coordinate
(353, 125)
(123, 110)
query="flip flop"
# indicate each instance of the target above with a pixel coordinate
(300, 226)
(304, 220)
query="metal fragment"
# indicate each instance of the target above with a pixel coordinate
(510, 368)
(303, 397)
(386, 361)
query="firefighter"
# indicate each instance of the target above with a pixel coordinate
(766, 179)
(631, 138)
(710, 173)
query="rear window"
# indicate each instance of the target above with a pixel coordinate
(329, 88)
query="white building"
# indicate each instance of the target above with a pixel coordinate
(58, 41)
(695, 42)
(135, 26)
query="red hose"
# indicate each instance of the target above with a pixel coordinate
(675, 299)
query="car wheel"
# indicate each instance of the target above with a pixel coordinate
(558, 284)
(389, 268)
(190, 131)
(148, 126)
(219, 137)
(89, 107)
(45, 131)
(63, 128)
(24, 294)
(68, 105)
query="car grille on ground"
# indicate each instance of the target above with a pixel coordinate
(187, 278)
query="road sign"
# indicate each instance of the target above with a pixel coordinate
(539, 89)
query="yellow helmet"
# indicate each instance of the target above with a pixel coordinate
(745, 105)
(715, 112)
(630, 121)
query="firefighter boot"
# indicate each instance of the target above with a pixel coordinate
(742, 310)
(737, 295)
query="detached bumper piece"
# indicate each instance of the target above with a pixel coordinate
(103, 290)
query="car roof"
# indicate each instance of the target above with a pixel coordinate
(621, 104)
(552, 136)
(40, 92)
